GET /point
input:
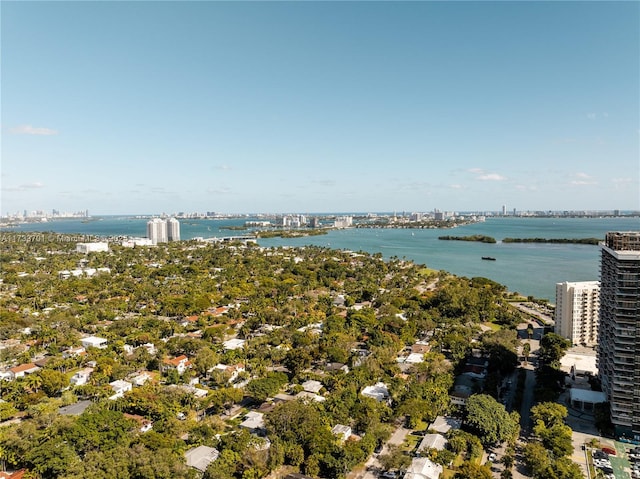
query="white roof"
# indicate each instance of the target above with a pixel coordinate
(423, 468)
(414, 358)
(432, 441)
(93, 340)
(312, 386)
(310, 396)
(581, 362)
(120, 384)
(341, 429)
(444, 424)
(253, 420)
(378, 391)
(200, 457)
(234, 343)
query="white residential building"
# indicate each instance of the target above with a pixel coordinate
(81, 377)
(232, 344)
(22, 370)
(119, 388)
(423, 468)
(133, 242)
(577, 312)
(92, 247)
(343, 222)
(141, 379)
(379, 392)
(94, 342)
(173, 229)
(233, 371)
(157, 230)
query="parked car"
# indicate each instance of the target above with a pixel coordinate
(492, 457)
(609, 450)
(599, 455)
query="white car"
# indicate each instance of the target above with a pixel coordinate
(492, 457)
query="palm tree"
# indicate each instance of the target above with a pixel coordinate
(33, 382)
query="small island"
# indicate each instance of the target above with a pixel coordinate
(589, 241)
(291, 233)
(477, 238)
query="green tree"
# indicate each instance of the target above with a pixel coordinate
(549, 413)
(526, 350)
(489, 419)
(471, 470)
(552, 348)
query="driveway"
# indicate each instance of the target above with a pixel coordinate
(372, 466)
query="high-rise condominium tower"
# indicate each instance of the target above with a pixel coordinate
(157, 230)
(173, 229)
(577, 311)
(619, 337)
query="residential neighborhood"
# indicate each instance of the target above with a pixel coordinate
(233, 361)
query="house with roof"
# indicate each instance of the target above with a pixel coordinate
(253, 421)
(180, 363)
(94, 342)
(188, 388)
(141, 378)
(74, 352)
(81, 377)
(200, 457)
(379, 392)
(334, 367)
(233, 344)
(150, 347)
(120, 387)
(19, 474)
(432, 441)
(443, 424)
(144, 425)
(21, 370)
(312, 386)
(342, 432)
(423, 468)
(232, 371)
(421, 347)
(308, 397)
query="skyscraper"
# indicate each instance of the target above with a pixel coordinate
(577, 311)
(173, 229)
(619, 337)
(157, 230)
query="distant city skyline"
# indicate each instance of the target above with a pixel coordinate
(246, 107)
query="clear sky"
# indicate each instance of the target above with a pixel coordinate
(144, 107)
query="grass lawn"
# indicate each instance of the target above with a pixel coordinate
(410, 443)
(427, 272)
(493, 326)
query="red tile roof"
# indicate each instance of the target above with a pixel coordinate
(23, 367)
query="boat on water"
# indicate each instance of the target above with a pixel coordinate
(488, 258)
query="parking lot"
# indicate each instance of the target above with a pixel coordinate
(615, 460)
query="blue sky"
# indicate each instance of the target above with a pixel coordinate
(145, 107)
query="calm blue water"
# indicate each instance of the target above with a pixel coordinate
(530, 269)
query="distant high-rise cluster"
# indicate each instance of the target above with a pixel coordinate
(161, 231)
(577, 311)
(619, 336)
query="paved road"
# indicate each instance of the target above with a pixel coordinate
(372, 466)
